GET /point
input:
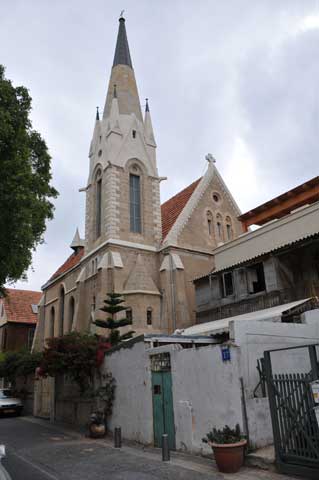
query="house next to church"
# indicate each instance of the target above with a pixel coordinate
(134, 245)
(265, 271)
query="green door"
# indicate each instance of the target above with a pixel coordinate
(163, 413)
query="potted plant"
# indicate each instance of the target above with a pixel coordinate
(228, 446)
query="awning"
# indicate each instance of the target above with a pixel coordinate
(220, 326)
(295, 227)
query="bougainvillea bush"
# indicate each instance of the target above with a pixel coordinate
(78, 355)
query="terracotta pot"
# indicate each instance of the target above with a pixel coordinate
(97, 431)
(229, 457)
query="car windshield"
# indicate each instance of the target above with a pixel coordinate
(5, 394)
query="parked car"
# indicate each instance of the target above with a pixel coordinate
(8, 403)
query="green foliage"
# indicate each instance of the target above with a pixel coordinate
(18, 364)
(25, 187)
(74, 354)
(224, 436)
(106, 394)
(112, 306)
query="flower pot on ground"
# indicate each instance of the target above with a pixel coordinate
(97, 426)
(228, 446)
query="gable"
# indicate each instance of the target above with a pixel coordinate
(189, 226)
(196, 231)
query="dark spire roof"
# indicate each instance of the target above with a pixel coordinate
(122, 52)
(147, 108)
(97, 114)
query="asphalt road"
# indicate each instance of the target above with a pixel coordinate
(36, 451)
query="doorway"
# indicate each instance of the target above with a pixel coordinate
(163, 411)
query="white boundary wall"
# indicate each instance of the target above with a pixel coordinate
(206, 390)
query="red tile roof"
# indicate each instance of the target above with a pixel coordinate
(72, 261)
(172, 208)
(17, 305)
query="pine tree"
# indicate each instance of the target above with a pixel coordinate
(112, 306)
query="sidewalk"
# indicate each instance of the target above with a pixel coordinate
(143, 455)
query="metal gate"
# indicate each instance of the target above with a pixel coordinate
(295, 427)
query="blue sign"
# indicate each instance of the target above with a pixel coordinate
(225, 354)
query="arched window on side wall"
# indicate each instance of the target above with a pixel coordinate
(51, 322)
(61, 323)
(71, 313)
(209, 217)
(229, 228)
(98, 204)
(219, 227)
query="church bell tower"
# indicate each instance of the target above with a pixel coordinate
(122, 193)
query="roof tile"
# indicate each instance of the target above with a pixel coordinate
(71, 262)
(172, 208)
(18, 305)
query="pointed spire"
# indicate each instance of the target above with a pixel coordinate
(123, 77)
(148, 127)
(77, 242)
(122, 52)
(97, 114)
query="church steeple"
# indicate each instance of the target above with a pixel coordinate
(123, 77)
(122, 51)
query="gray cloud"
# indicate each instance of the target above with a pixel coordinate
(237, 78)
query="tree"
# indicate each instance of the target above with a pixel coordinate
(25, 189)
(18, 364)
(112, 306)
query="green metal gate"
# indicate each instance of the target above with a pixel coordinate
(295, 427)
(163, 412)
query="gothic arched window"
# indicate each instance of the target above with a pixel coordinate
(61, 323)
(51, 322)
(135, 201)
(98, 203)
(209, 217)
(229, 228)
(71, 313)
(219, 227)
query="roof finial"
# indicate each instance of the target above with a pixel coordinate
(210, 159)
(97, 113)
(121, 15)
(147, 108)
(114, 91)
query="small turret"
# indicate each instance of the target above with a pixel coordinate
(77, 242)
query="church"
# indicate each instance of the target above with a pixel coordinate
(133, 245)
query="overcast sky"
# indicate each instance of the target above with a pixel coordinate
(237, 78)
